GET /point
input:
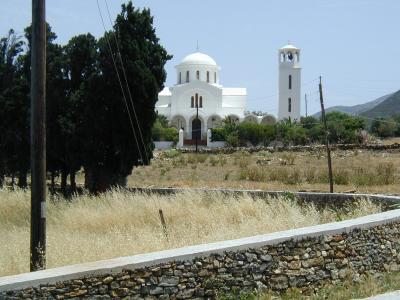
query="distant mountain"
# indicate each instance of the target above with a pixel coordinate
(386, 108)
(359, 109)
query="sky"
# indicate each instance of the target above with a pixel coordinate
(353, 44)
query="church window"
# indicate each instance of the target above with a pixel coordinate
(201, 101)
(208, 76)
(197, 100)
(180, 78)
(198, 75)
(187, 76)
(290, 82)
(290, 105)
(215, 77)
(192, 102)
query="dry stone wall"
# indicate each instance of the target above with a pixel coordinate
(311, 148)
(306, 259)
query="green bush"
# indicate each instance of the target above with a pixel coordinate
(251, 132)
(218, 134)
(171, 153)
(232, 140)
(163, 132)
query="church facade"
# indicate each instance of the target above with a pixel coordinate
(198, 101)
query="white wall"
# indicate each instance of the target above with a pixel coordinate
(286, 69)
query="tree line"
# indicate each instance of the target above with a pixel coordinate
(95, 119)
(342, 128)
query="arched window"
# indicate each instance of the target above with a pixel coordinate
(215, 77)
(208, 76)
(192, 102)
(187, 76)
(290, 105)
(197, 100)
(290, 82)
(180, 78)
(201, 101)
(198, 75)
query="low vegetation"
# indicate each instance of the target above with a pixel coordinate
(120, 223)
(355, 170)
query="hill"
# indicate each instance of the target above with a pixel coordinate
(386, 108)
(356, 109)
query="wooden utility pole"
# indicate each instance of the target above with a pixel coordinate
(305, 99)
(197, 120)
(328, 149)
(38, 137)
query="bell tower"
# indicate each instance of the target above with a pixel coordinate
(289, 83)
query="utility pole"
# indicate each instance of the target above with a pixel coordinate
(38, 137)
(197, 120)
(305, 98)
(328, 149)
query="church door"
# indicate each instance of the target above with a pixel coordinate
(196, 129)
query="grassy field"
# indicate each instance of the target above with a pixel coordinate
(119, 223)
(355, 170)
(369, 286)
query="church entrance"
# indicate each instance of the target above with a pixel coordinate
(196, 129)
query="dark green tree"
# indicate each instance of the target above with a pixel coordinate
(56, 103)
(81, 64)
(110, 150)
(14, 110)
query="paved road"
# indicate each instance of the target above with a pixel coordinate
(388, 296)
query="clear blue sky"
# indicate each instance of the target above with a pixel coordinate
(353, 44)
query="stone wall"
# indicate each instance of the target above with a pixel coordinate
(311, 148)
(304, 258)
(319, 199)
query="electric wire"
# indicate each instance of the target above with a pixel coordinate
(124, 96)
(126, 82)
(119, 80)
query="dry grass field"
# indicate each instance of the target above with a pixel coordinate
(354, 170)
(119, 223)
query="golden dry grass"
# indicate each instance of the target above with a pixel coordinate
(356, 170)
(119, 223)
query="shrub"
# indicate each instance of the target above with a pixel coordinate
(340, 176)
(171, 153)
(160, 133)
(385, 173)
(279, 174)
(294, 177)
(218, 134)
(232, 140)
(287, 159)
(309, 175)
(251, 132)
(252, 173)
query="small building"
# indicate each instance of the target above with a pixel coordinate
(198, 87)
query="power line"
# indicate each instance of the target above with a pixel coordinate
(127, 85)
(119, 79)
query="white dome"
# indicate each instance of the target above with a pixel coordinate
(198, 58)
(289, 47)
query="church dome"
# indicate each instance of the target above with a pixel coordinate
(289, 47)
(198, 58)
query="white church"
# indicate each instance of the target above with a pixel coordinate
(198, 101)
